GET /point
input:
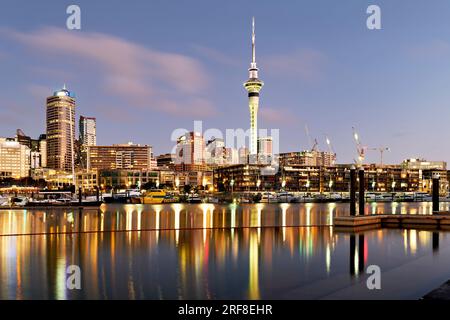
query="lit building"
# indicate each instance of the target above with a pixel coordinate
(243, 154)
(14, 159)
(215, 152)
(126, 179)
(190, 152)
(265, 150)
(307, 158)
(43, 150)
(253, 86)
(231, 156)
(38, 148)
(120, 156)
(312, 178)
(165, 161)
(88, 131)
(55, 179)
(61, 130)
(424, 165)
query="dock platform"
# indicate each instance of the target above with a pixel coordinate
(438, 220)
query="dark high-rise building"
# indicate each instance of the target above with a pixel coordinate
(88, 131)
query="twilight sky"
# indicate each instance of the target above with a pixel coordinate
(145, 68)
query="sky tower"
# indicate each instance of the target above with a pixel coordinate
(253, 85)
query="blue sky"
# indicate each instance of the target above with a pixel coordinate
(145, 68)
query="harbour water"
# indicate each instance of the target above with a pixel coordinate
(206, 251)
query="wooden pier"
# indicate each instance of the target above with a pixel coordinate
(438, 220)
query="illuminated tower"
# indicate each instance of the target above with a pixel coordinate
(61, 130)
(253, 85)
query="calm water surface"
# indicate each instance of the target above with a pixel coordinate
(205, 251)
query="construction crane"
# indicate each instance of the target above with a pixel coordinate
(360, 149)
(313, 146)
(381, 150)
(330, 147)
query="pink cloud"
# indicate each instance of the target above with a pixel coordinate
(215, 55)
(278, 116)
(139, 75)
(306, 64)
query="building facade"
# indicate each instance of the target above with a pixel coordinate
(120, 156)
(307, 158)
(305, 178)
(190, 152)
(14, 159)
(88, 131)
(60, 120)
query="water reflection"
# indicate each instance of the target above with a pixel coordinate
(228, 252)
(181, 216)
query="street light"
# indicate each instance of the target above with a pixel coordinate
(258, 184)
(232, 184)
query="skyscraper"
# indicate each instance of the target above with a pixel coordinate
(61, 130)
(190, 152)
(88, 131)
(253, 85)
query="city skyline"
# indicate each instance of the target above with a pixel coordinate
(327, 77)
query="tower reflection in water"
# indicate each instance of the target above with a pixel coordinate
(200, 251)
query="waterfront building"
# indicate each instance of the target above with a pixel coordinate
(120, 156)
(190, 152)
(165, 161)
(203, 179)
(14, 159)
(422, 164)
(253, 86)
(55, 179)
(87, 180)
(126, 179)
(60, 121)
(243, 177)
(310, 178)
(307, 158)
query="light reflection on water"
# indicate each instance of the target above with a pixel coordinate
(233, 252)
(181, 216)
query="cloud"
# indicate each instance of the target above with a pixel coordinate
(141, 77)
(215, 55)
(278, 116)
(306, 64)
